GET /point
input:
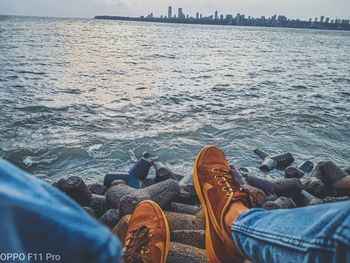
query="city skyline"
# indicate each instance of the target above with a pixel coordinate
(178, 13)
(89, 8)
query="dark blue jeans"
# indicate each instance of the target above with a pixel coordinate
(310, 234)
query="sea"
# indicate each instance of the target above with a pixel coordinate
(88, 97)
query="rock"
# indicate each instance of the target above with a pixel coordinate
(186, 198)
(279, 203)
(306, 166)
(89, 211)
(141, 169)
(126, 198)
(316, 187)
(335, 177)
(98, 204)
(270, 162)
(271, 197)
(281, 187)
(261, 153)
(183, 208)
(164, 173)
(257, 196)
(110, 218)
(60, 184)
(347, 170)
(97, 189)
(176, 221)
(287, 187)
(128, 179)
(261, 183)
(195, 238)
(304, 198)
(180, 253)
(76, 188)
(293, 172)
(187, 185)
(331, 173)
(331, 199)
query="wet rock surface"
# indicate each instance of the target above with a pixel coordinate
(113, 201)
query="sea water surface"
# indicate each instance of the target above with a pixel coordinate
(85, 97)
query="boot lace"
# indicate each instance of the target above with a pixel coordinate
(136, 246)
(227, 182)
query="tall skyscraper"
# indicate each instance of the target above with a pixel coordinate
(322, 19)
(216, 15)
(170, 12)
(197, 15)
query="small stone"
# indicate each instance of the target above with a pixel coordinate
(110, 218)
(187, 185)
(97, 189)
(280, 203)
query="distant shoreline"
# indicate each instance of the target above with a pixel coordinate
(224, 22)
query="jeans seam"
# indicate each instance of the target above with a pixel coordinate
(276, 237)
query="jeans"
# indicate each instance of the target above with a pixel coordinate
(38, 223)
(310, 234)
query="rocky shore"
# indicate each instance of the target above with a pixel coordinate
(113, 200)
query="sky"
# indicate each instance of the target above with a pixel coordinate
(302, 9)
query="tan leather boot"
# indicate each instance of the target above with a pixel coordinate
(148, 236)
(217, 189)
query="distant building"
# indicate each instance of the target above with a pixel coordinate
(229, 17)
(282, 19)
(216, 15)
(180, 14)
(197, 15)
(322, 19)
(170, 12)
(201, 16)
(274, 18)
(327, 20)
(221, 17)
(316, 18)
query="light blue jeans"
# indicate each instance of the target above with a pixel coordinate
(303, 235)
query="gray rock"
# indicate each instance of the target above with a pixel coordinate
(184, 208)
(98, 204)
(110, 218)
(97, 189)
(279, 203)
(304, 198)
(76, 188)
(180, 253)
(293, 172)
(126, 198)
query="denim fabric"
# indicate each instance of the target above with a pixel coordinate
(310, 234)
(38, 221)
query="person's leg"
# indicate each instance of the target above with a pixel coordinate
(311, 234)
(41, 223)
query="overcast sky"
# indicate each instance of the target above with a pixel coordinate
(88, 8)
